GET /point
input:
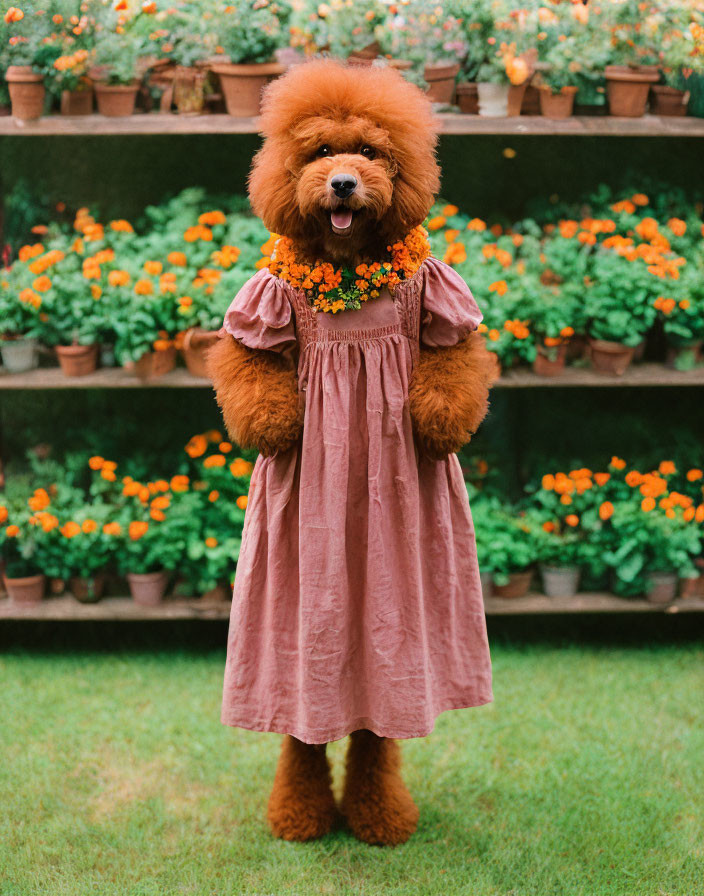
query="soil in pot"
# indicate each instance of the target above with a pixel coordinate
(557, 105)
(666, 100)
(440, 77)
(242, 85)
(155, 364)
(19, 355)
(493, 99)
(560, 581)
(610, 358)
(517, 585)
(78, 360)
(87, 590)
(77, 102)
(196, 344)
(25, 590)
(27, 92)
(684, 357)
(550, 360)
(627, 89)
(116, 100)
(148, 588)
(467, 97)
(661, 587)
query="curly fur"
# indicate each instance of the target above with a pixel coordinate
(302, 806)
(376, 803)
(258, 394)
(449, 395)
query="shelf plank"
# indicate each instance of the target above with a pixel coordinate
(643, 375)
(123, 609)
(450, 123)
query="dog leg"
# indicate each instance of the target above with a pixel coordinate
(301, 805)
(376, 803)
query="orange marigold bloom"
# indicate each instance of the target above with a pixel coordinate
(572, 520)
(498, 286)
(153, 267)
(215, 460)
(450, 210)
(602, 478)
(157, 515)
(42, 284)
(211, 542)
(121, 226)
(648, 504)
(640, 199)
(179, 483)
(39, 500)
(688, 514)
(633, 478)
(618, 463)
(437, 222)
(137, 529)
(144, 287)
(694, 475)
(89, 526)
(162, 502)
(476, 224)
(118, 278)
(240, 467)
(225, 447)
(606, 510)
(70, 529)
(677, 226)
(112, 529)
(96, 462)
(12, 531)
(3, 513)
(212, 218)
(549, 526)
(196, 446)
(451, 235)
(455, 254)
(13, 14)
(242, 502)
(647, 228)
(213, 496)
(177, 259)
(699, 514)
(667, 468)
(131, 489)
(548, 482)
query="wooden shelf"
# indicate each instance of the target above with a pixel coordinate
(455, 124)
(122, 609)
(573, 377)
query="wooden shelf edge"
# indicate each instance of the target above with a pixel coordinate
(123, 609)
(641, 375)
(455, 124)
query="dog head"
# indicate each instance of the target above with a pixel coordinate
(348, 162)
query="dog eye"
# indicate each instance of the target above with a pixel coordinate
(324, 150)
(367, 152)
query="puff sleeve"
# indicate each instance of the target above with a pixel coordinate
(448, 310)
(260, 315)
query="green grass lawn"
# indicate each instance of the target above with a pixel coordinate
(586, 776)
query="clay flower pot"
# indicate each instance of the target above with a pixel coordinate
(77, 360)
(517, 585)
(148, 588)
(77, 102)
(467, 97)
(87, 590)
(26, 92)
(531, 101)
(550, 361)
(514, 101)
(116, 100)
(560, 581)
(440, 77)
(692, 587)
(661, 587)
(557, 105)
(242, 85)
(666, 100)
(493, 99)
(19, 355)
(627, 89)
(196, 344)
(611, 358)
(25, 590)
(155, 364)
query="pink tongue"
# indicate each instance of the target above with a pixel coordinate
(341, 218)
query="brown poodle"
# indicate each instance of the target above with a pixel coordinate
(326, 126)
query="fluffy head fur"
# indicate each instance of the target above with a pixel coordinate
(324, 118)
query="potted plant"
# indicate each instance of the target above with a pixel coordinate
(85, 549)
(20, 550)
(509, 552)
(145, 328)
(19, 319)
(70, 79)
(552, 318)
(558, 544)
(29, 54)
(116, 62)
(680, 60)
(559, 79)
(632, 66)
(73, 319)
(252, 31)
(682, 314)
(484, 512)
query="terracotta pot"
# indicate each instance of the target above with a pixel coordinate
(666, 100)
(196, 344)
(440, 77)
(692, 587)
(116, 100)
(493, 99)
(148, 588)
(560, 581)
(87, 590)
(531, 101)
(155, 364)
(242, 85)
(77, 102)
(27, 92)
(189, 90)
(627, 89)
(611, 358)
(516, 92)
(78, 360)
(57, 586)
(557, 105)
(550, 361)
(19, 355)
(467, 97)
(684, 357)
(217, 595)
(487, 583)
(25, 590)
(661, 587)
(517, 585)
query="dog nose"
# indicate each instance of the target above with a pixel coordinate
(343, 185)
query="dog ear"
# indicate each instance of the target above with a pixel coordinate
(272, 190)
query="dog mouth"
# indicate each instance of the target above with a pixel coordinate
(341, 220)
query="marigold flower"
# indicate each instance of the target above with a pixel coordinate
(89, 526)
(498, 286)
(212, 218)
(242, 502)
(694, 475)
(179, 483)
(70, 529)
(215, 460)
(240, 467)
(144, 287)
(3, 513)
(572, 520)
(196, 446)
(640, 199)
(606, 510)
(177, 259)
(112, 529)
(118, 278)
(602, 478)
(137, 529)
(12, 531)
(476, 224)
(121, 226)
(96, 462)
(618, 463)
(549, 526)
(42, 284)
(13, 14)
(437, 222)
(450, 210)
(158, 515)
(153, 267)
(213, 496)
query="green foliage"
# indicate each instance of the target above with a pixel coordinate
(250, 30)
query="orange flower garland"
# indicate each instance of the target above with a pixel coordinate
(332, 289)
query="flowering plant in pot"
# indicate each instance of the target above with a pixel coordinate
(501, 69)
(145, 325)
(552, 312)
(71, 81)
(681, 310)
(252, 30)
(354, 31)
(19, 323)
(557, 545)
(29, 54)
(21, 543)
(506, 550)
(632, 63)
(118, 49)
(435, 43)
(559, 79)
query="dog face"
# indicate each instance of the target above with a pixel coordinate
(348, 163)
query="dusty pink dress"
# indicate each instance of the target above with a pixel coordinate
(357, 601)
